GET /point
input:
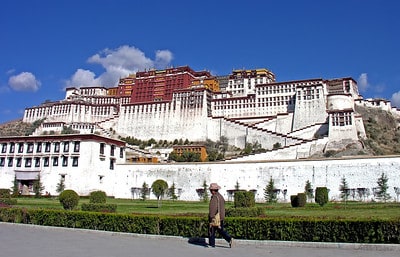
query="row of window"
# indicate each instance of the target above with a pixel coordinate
(341, 119)
(112, 150)
(30, 146)
(37, 161)
(103, 110)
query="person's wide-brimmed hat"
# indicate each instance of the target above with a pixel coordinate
(214, 186)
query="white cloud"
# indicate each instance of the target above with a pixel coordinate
(362, 82)
(25, 81)
(118, 63)
(163, 58)
(395, 100)
(83, 78)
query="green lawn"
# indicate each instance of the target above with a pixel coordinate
(349, 210)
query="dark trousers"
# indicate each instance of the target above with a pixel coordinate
(221, 231)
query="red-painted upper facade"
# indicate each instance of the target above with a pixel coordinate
(159, 85)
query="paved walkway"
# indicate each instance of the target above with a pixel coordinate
(26, 240)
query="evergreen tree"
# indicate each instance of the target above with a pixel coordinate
(308, 190)
(144, 191)
(205, 192)
(270, 192)
(38, 187)
(60, 185)
(237, 186)
(344, 189)
(15, 188)
(171, 192)
(383, 187)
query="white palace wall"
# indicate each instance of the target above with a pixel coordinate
(289, 175)
(166, 124)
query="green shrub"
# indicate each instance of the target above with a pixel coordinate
(98, 197)
(298, 200)
(244, 199)
(302, 198)
(99, 207)
(321, 195)
(69, 199)
(245, 212)
(5, 193)
(294, 200)
(8, 201)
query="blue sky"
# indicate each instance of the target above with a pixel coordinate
(47, 45)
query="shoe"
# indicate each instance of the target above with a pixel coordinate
(231, 243)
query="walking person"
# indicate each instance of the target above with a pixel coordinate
(217, 206)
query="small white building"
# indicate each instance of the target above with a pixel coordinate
(82, 161)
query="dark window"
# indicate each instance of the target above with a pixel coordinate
(20, 147)
(111, 164)
(75, 161)
(112, 150)
(66, 147)
(39, 147)
(47, 147)
(37, 162)
(4, 148)
(76, 146)
(57, 147)
(64, 161)
(10, 161)
(102, 146)
(28, 162)
(55, 161)
(12, 147)
(121, 152)
(46, 161)
(30, 148)
(2, 161)
(19, 162)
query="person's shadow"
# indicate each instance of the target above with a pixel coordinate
(200, 241)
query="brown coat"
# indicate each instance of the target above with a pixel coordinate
(215, 199)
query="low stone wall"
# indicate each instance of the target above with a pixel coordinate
(288, 176)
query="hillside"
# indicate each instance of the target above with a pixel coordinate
(382, 129)
(15, 128)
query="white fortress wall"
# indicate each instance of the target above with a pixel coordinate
(289, 175)
(310, 131)
(284, 123)
(267, 140)
(310, 107)
(293, 152)
(162, 121)
(215, 128)
(269, 124)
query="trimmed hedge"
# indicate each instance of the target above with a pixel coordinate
(69, 199)
(244, 199)
(5, 197)
(298, 200)
(8, 201)
(5, 193)
(98, 197)
(321, 195)
(245, 212)
(288, 229)
(99, 207)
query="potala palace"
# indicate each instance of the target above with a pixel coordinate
(301, 117)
